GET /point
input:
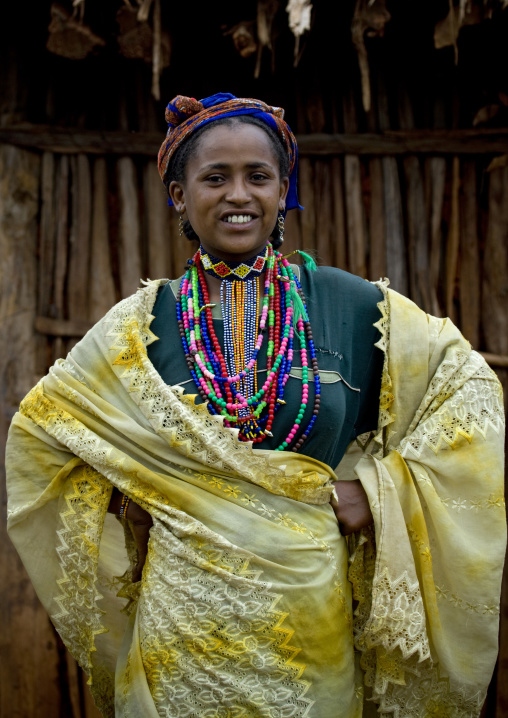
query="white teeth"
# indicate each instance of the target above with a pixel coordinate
(238, 218)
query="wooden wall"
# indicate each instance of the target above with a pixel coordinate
(406, 190)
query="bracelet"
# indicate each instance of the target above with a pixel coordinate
(123, 506)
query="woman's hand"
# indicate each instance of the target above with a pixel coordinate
(352, 510)
(141, 523)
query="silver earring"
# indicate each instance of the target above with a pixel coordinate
(180, 225)
(280, 225)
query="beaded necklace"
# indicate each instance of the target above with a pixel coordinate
(228, 383)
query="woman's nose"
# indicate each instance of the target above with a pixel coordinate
(238, 191)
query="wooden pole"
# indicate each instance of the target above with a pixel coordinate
(28, 656)
(339, 218)
(158, 216)
(102, 288)
(307, 200)
(377, 221)
(495, 265)
(452, 245)
(355, 211)
(61, 252)
(79, 251)
(417, 226)
(470, 267)
(78, 279)
(46, 253)
(130, 267)
(396, 260)
(436, 174)
(324, 219)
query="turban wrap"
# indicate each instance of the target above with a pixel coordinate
(185, 115)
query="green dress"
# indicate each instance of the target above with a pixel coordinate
(342, 311)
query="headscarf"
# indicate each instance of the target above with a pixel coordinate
(185, 115)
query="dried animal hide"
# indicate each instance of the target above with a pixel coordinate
(267, 10)
(369, 18)
(243, 36)
(447, 30)
(139, 40)
(299, 20)
(251, 36)
(69, 37)
(135, 37)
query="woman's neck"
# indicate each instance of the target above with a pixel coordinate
(235, 269)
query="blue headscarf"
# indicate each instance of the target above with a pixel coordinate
(185, 115)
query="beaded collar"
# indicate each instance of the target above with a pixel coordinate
(227, 380)
(241, 271)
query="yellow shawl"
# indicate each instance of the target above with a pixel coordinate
(244, 608)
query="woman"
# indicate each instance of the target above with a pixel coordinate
(244, 605)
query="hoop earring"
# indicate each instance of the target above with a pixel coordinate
(180, 225)
(280, 225)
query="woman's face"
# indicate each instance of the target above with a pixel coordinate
(232, 191)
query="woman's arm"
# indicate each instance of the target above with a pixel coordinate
(141, 522)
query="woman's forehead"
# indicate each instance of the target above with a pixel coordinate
(233, 144)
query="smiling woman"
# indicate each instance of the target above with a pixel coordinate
(232, 191)
(208, 414)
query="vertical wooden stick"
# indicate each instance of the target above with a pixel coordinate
(323, 213)
(396, 257)
(157, 223)
(339, 219)
(469, 285)
(377, 224)
(417, 224)
(436, 169)
(78, 289)
(102, 287)
(355, 214)
(307, 201)
(495, 269)
(355, 211)
(130, 267)
(29, 660)
(452, 246)
(61, 251)
(46, 255)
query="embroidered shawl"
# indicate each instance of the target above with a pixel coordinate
(244, 607)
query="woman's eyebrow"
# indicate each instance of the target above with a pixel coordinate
(225, 165)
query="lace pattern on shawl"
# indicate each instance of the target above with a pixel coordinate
(77, 617)
(195, 624)
(84, 503)
(464, 398)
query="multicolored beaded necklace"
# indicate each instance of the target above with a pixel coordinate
(228, 382)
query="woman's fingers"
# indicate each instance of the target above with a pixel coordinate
(351, 506)
(141, 523)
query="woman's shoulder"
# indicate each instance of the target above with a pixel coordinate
(333, 285)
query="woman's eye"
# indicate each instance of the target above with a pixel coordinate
(259, 177)
(214, 178)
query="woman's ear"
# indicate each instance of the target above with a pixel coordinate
(177, 194)
(284, 188)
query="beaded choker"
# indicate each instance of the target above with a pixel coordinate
(228, 382)
(253, 267)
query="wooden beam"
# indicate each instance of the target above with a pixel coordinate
(500, 360)
(391, 142)
(61, 327)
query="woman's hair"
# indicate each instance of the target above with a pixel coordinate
(178, 164)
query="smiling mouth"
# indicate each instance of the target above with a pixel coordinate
(238, 218)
